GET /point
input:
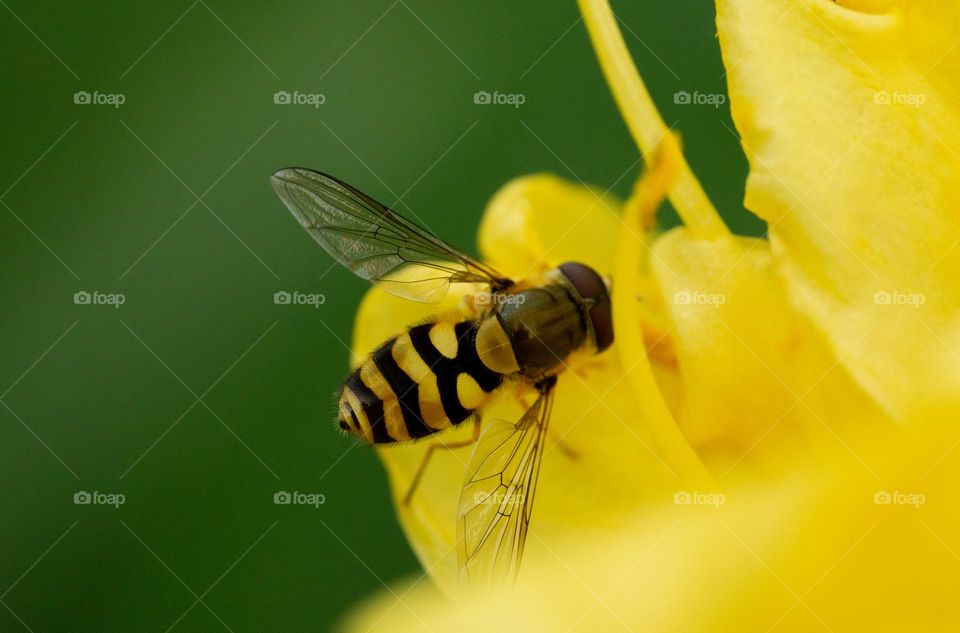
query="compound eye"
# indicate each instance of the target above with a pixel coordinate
(591, 287)
(585, 279)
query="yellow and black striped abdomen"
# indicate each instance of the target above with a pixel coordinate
(418, 383)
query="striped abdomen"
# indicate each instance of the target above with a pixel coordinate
(418, 383)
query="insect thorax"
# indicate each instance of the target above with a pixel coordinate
(544, 325)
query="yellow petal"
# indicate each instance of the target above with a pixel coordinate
(850, 121)
(843, 551)
(539, 221)
(760, 387)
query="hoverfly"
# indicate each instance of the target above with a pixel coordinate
(442, 373)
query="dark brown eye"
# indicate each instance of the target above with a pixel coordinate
(591, 287)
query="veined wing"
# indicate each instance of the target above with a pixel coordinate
(376, 243)
(497, 497)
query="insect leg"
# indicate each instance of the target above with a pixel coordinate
(565, 448)
(426, 458)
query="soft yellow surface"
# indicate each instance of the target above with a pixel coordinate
(851, 124)
(770, 445)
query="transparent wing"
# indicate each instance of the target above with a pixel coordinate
(497, 497)
(376, 243)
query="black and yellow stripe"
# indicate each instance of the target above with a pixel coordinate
(421, 382)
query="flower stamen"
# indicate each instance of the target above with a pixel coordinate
(648, 195)
(644, 120)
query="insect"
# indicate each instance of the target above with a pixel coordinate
(442, 373)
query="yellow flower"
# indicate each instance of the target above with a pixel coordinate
(769, 445)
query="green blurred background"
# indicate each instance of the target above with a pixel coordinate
(102, 198)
